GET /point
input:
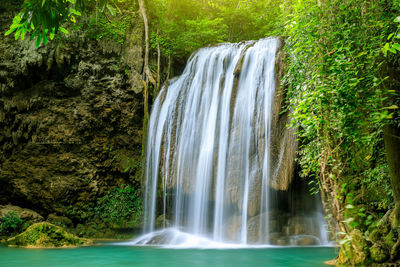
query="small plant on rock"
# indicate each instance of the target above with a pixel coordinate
(10, 223)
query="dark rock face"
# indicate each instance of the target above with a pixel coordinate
(70, 119)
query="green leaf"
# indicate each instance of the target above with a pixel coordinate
(43, 2)
(344, 241)
(349, 220)
(396, 46)
(52, 33)
(44, 37)
(392, 107)
(11, 30)
(38, 40)
(75, 12)
(33, 34)
(23, 34)
(349, 206)
(17, 34)
(63, 30)
(397, 19)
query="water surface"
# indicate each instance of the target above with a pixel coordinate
(109, 255)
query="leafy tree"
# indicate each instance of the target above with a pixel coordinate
(44, 18)
(340, 87)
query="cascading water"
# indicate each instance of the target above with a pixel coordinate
(209, 155)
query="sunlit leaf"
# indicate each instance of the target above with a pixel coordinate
(63, 30)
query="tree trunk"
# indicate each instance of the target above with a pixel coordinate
(168, 71)
(158, 83)
(146, 71)
(391, 136)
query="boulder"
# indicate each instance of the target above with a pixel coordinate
(46, 235)
(24, 214)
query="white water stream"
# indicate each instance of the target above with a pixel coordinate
(208, 151)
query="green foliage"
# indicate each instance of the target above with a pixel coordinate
(342, 97)
(377, 187)
(100, 28)
(180, 27)
(392, 44)
(10, 223)
(120, 206)
(43, 19)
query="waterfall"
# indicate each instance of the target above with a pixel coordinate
(208, 163)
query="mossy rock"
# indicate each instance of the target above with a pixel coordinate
(47, 235)
(379, 253)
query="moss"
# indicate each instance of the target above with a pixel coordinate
(390, 239)
(379, 253)
(46, 235)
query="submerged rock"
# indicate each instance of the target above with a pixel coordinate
(47, 235)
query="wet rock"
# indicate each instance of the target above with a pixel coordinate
(273, 237)
(301, 225)
(162, 222)
(283, 241)
(46, 235)
(304, 240)
(233, 227)
(256, 234)
(283, 142)
(255, 193)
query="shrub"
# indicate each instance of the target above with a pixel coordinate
(10, 223)
(122, 205)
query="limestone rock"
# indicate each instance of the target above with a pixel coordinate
(283, 140)
(69, 114)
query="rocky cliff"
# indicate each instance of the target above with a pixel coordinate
(70, 119)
